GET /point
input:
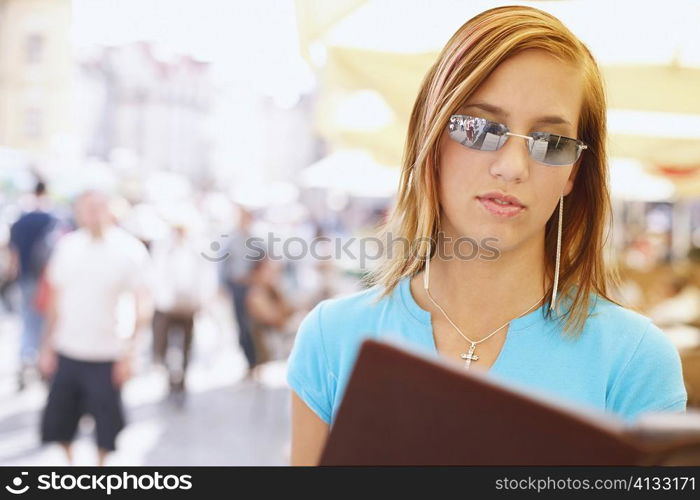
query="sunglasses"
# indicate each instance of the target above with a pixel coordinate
(484, 135)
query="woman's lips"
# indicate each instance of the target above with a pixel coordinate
(499, 210)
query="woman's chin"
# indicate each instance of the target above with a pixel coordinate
(485, 240)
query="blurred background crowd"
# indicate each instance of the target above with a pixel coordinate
(186, 127)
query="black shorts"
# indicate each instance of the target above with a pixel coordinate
(79, 388)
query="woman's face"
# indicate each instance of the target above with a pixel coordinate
(535, 93)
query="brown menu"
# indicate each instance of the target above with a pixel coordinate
(403, 408)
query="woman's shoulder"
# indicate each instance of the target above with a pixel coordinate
(350, 310)
(327, 339)
(339, 324)
(621, 327)
(609, 314)
(644, 366)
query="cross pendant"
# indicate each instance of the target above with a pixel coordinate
(469, 356)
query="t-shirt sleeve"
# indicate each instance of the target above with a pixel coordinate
(308, 370)
(652, 380)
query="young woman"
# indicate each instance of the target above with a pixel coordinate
(505, 153)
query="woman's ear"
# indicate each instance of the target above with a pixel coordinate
(572, 178)
(568, 187)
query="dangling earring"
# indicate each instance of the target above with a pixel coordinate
(426, 274)
(556, 267)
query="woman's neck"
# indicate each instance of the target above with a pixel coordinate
(479, 291)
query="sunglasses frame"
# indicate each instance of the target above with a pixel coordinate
(580, 145)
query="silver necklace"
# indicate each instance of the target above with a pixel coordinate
(468, 356)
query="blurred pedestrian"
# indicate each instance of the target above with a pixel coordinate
(83, 352)
(236, 269)
(30, 243)
(183, 283)
(269, 310)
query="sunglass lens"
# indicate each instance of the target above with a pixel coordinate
(477, 133)
(553, 149)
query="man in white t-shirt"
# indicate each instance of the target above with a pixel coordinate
(87, 353)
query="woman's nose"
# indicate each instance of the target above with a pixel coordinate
(512, 162)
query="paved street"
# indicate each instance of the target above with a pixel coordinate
(224, 420)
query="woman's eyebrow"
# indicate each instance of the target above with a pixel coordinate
(490, 108)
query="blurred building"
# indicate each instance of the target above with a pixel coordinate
(145, 110)
(36, 70)
(263, 125)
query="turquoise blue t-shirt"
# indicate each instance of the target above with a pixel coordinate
(621, 364)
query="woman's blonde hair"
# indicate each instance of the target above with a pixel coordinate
(469, 57)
